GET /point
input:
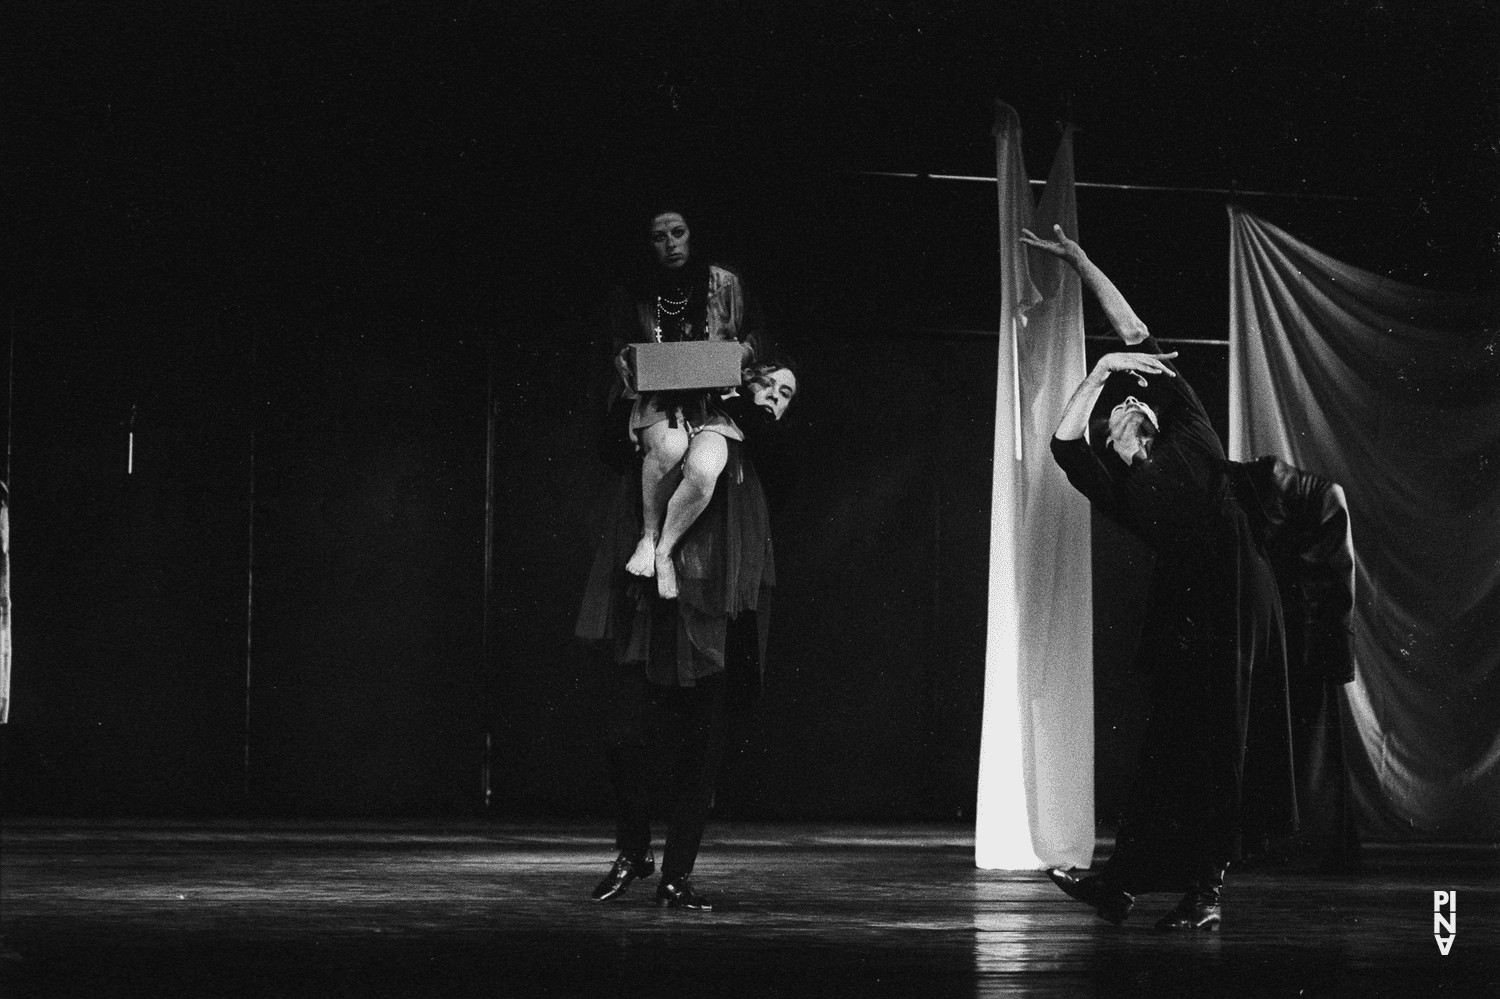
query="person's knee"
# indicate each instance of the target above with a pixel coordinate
(665, 445)
(705, 460)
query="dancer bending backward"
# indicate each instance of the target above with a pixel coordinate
(1216, 766)
(683, 434)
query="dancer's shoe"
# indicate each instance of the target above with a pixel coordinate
(622, 872)
(678, 893)
(1111, 903)
(1194, 912)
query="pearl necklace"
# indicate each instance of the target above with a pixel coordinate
(667, 307)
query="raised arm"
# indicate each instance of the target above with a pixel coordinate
(1121, 316)
(1075, 418)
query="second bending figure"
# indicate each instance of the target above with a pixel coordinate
(1216, 766)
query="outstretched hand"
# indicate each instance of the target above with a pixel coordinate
(1061, 247)
(1138, 365)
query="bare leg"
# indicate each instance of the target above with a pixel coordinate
(660, 469)
(705, 459)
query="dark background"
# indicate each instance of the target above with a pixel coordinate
(304, 249)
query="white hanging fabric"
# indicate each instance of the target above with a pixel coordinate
(1035, 805)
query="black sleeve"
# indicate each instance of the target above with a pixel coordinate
(1311, 550)
(771, 445)
(1089, 476)
(1173, 398)
(1327, 577)
(763, 432)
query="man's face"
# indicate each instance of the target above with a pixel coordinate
(773, 391)
(669, 238)
(1129, 423)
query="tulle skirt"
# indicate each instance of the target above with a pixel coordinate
(725, 568)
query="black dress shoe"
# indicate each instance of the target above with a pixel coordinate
(624, 870)
(1111, 903)
(678, 894)
(1192, 913)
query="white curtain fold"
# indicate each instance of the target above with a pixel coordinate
(1035, 804)
(1394, 392)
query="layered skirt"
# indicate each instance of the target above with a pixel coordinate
(725, 571)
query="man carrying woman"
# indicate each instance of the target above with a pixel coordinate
(682, 578)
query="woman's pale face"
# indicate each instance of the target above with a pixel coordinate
(669, 238)
(773, 391)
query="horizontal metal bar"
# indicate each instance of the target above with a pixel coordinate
(1235, 192)
(1169, 339)
(972, 332)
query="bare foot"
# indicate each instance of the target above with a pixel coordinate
(643, 562)
(666, 576)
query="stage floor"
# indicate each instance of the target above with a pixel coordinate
(93, 909)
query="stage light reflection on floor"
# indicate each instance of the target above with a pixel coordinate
(493, 909)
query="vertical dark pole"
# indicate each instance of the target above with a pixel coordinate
(250, 569)
(489, 556)
(937, 552)
(934, 662)
(10, 401)
(10, 412)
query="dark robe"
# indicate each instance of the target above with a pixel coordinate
(1305, 519)
(1216, 757)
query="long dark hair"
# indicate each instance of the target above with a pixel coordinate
(692, 277)
(775, 362)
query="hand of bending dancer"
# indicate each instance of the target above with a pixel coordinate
(1137, 365)
(1124, 320)
(1062, 247)
(1075, 418)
